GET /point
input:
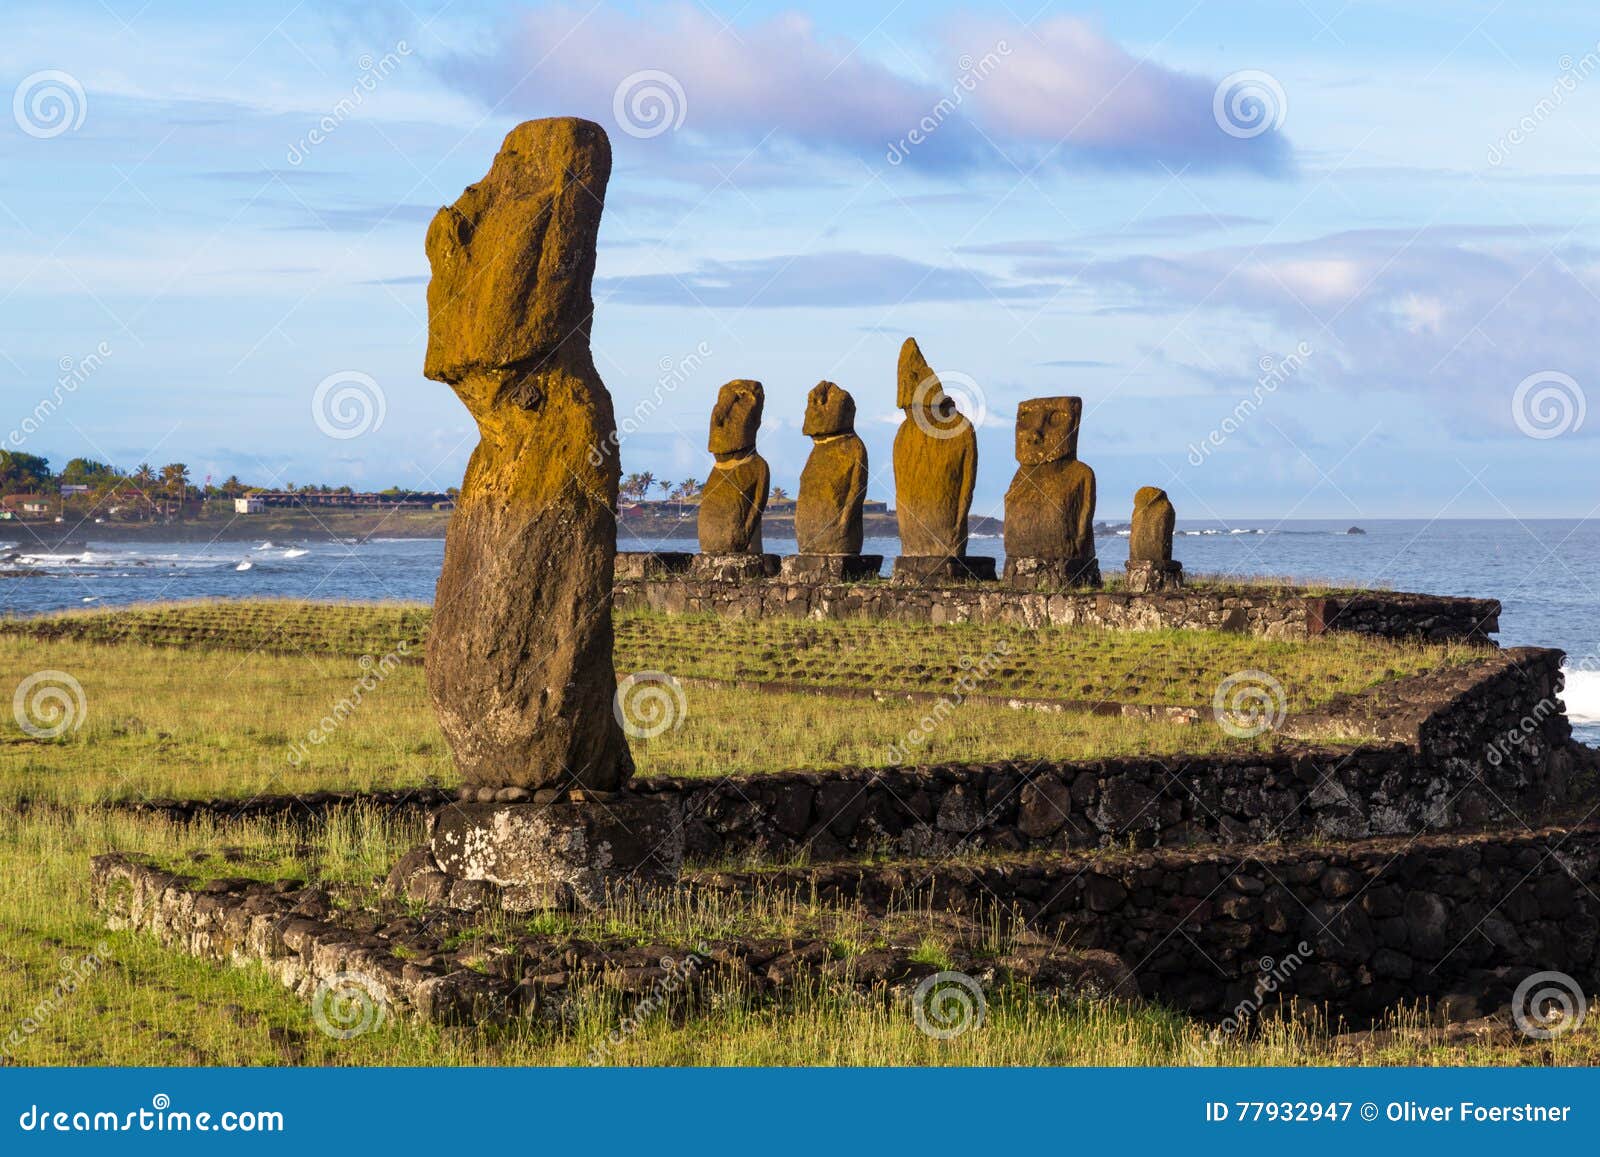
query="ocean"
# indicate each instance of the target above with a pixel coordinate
(1545, 573)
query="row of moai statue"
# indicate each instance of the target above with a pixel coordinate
(1049, 507)
(520, 662)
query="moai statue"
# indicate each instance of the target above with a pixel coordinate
(833, 489)
(519, 660)
(1150, 565)
(935, 467)
(735, 496)
(1049, 527)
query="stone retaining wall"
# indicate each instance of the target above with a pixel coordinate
(1368, 924)
(361, 960)
(1464, 746)
(1268, 613)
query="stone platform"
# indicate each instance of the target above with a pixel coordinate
(645, 564)
(734, 567)
(1266, 612)
(932, 570)
(1052, 573)
(832, 567)
(1148, 577)
(583, 850)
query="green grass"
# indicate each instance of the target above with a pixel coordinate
(209, 719)
(147, 1005)
(1169, 667)
(168, 722)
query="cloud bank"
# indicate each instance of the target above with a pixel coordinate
(1057, 92)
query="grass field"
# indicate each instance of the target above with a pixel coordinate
(210, 719)
(1157, 667)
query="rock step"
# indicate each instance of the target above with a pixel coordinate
(359, 959)
(1358, 927)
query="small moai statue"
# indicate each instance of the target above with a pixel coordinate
(935, 468)
(833, 490)
(1049, 527)
(735, 496)
(1150, 565)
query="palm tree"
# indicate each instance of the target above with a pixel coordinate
(175, 484)
(779, 494)
(666, 487)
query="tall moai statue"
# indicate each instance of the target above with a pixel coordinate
(735, 495)
(833, 490)
(1049, 527)
(935, 468)
(519, 660)
(1150, 565)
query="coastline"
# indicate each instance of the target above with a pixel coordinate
(343, 526)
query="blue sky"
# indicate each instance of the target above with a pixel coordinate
(1410, 236)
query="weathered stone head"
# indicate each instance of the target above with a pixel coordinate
(1047, 430)
(736, 417)
(513, 258)
(829, 410)
(833, 485)
(735, 495)
(519, 658)
(1150, 539)
(916, 385)
(935, 462)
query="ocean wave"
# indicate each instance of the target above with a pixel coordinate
(1582, 696)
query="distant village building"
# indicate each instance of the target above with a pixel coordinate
(250, 504)
(73, 489)
(25, 504)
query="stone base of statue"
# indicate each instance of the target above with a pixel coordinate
(931, 569)
(733, 568)
(832, 568)
(1149, 577)
(579, 852)
(645, 564)
(1052, 573)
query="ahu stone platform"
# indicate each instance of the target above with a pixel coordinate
(1270, 613)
